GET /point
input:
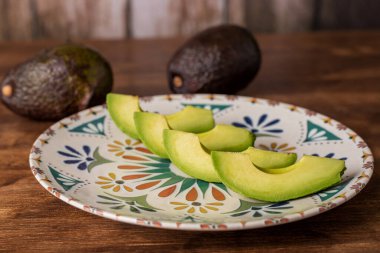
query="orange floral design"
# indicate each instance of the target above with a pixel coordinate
(327, 120)
(192, 207)
(210, 96)
(111, 182)
(167, 192)
(192, 195)
(147, 185)
(120, 148)
(365, 156)
(135, 176)
(130, 167)
(213, 226)
(218, 195)
(352, 136)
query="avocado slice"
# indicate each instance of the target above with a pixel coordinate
(227, 138)
(150, 127)
(191, 119)
(311, 174)
(187, 153)
(270, 161)
(121, 109)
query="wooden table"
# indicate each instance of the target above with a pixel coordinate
(337, 74)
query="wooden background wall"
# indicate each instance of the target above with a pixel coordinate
(114, 19)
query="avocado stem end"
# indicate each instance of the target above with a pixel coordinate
(7, 90)
(177, 81)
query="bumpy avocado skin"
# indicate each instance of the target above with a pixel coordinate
(58, 82)
(221, 59)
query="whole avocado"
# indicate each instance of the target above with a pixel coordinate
(221, 59)
(57, 82)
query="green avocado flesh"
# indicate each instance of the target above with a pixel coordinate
(150, 127)
(227, 138)
(311, 174)
(187, 153)
(121, 109)
(270, 161)
(191, 119)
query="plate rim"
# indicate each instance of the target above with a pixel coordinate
(225, 226)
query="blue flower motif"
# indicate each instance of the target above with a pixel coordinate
(330, 155)
(264, 126)
(83, 159)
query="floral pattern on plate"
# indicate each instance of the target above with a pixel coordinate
(86, 161)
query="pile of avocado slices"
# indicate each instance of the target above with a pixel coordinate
(223, 153)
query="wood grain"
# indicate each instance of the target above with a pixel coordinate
(172, 17)
(341, 14)
(236, 12)
(16, 20)
(116, 19)
(68, 19)
(80, 19)
(334, 73)
(280, 16)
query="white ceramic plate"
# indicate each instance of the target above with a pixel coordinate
(86, 161)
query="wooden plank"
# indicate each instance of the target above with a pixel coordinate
(280, 15)
(62, 19)
(254, 18)
(236, 11)
(107, 19)
(16, 19)
(343, 14)
(293, 15)
(3, 20)
(81, 18)
(173, 17)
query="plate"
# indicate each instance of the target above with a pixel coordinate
(87, 162)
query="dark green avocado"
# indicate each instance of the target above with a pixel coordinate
(221, 59)
(57, 82)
